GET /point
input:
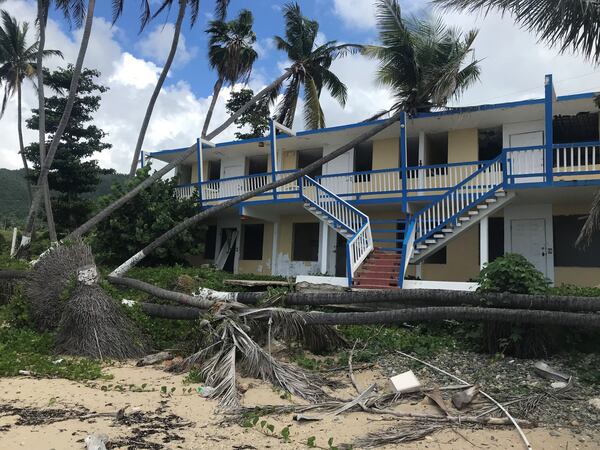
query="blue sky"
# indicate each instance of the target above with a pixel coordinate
(513, 68)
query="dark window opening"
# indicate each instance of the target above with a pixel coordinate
(184, 174)
(436, 152)
(210, 242)
(214, 170)
(582, 127)
(305, 242)
(412, 152)
(257, 164)
(490, 143)
(495, 237)
(438, 257)
(363, 157)
(252, 241)
(306, 157)
(566, 254)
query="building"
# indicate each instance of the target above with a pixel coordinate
(432, 197)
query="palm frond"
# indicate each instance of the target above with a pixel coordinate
(221, 9)
(591, 226)
(313, 114)
(568, 24)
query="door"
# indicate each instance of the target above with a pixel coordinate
(226, 258)
(231, 188)
(528, 238)
(339, 185)
(527, 161)
(340, 256)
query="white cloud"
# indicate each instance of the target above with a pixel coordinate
(131, 71)
(157, 43)
(361, 13)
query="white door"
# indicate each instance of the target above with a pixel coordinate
(528, 238)
(527, 161)
(231, 188)
(338, 184)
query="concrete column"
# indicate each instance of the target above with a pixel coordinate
(274, 251)
(484, 236)
(323, 247)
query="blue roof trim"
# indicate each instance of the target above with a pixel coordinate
(460, 110)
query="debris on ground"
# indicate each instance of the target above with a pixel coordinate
(405, 382)
(155, 358)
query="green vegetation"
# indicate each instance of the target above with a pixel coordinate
(512, 273)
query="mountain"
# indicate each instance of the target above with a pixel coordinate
(14, 200)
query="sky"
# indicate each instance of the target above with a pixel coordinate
(513, 65)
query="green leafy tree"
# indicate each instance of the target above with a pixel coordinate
(423, 62)
(231, 54)
(311, 72)
(74, 173)
(154, 211)
(256, 117)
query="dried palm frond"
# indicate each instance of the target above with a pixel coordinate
(50, 278)
(404, 433)
(93, 325)
(219, 373)
(592, 224)
(290, 325)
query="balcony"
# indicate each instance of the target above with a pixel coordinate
(526, 166)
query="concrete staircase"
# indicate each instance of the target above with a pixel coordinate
(379, 271)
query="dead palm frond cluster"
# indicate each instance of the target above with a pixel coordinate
(236, 344)
(63, 294)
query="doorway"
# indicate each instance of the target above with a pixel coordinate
(340, 256)
(529, 161)
(528, 238)
(225, 260)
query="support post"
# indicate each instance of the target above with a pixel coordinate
(199, 165)
(142, 159)
(548, 105)
(323, 245)
(273, 138)
(13, 245)
(484, 235)
(403, 160)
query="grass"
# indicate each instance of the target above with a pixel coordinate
(26, 349)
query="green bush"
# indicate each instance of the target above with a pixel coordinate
(512, 273)
(572, 290)
(151, 213)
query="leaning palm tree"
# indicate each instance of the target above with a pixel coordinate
(231, 54)
(17, 63)
(220, 11)
(311, 69)
(423, 62)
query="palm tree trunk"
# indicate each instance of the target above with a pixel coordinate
(45, 189)
(106, 212)
(157, 88)
(275, 84)
(213, 103)
(21, 144)
(123, 268)
(46, 163)
(439, 297)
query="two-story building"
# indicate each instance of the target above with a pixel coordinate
(434, 197)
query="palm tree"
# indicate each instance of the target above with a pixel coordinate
(231, 54)
(310, 69)
(17, 63)
(422, 61)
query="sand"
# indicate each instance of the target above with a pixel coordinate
(209, 430)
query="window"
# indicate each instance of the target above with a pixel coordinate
(214, 170)
(252, 241)
(305, 242)
(306, 157)
(363, 157)
(438, 257)
(490, 143)
(210, 242)
(582, 127)
(256, 164)
(566, 230)
(184, 174)
(436, 148)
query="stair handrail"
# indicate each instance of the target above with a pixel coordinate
(408, 246)
(421, 219)
(358, 248)
(350, 225)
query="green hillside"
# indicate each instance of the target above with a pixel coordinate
(14, 201)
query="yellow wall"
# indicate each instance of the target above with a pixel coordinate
(386, 154)
(462, 260)
(463, 145)
(263, 266)
(289, 160)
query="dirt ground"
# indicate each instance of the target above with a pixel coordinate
(189, 421)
